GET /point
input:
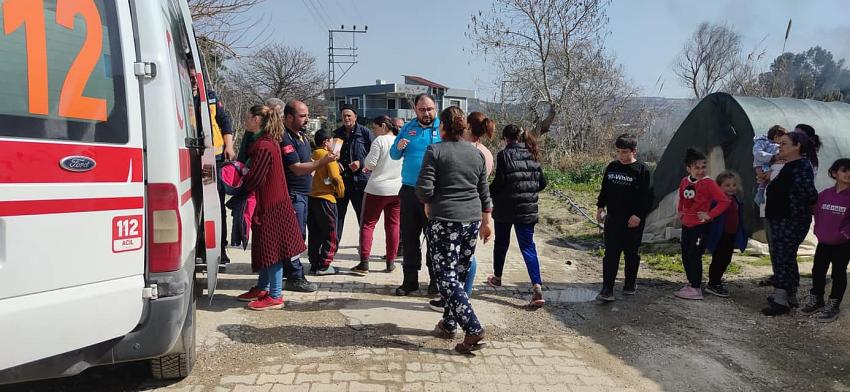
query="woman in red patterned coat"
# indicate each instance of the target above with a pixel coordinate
(277, 234)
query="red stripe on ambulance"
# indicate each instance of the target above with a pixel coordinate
(64, 206)
(33, 162)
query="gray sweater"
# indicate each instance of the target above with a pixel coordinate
(453, 179)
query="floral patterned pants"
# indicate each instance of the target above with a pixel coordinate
(452, 246)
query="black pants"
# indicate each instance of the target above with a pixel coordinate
(619, 238)
(413, 223)
(721, 258)
(321, 232)
(223, 239)
(354, 192)
(838, 256)
(693, 246)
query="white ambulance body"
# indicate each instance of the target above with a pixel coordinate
(107, 187)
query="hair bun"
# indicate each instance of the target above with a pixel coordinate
(458, 124)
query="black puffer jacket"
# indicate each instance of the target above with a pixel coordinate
(514, 190)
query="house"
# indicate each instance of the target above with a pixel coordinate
(396, 99)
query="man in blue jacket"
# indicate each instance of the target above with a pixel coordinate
(410, 145)
(357, 141)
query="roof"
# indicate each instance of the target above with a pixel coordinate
(422, 81)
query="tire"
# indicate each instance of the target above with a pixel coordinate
(179, 365)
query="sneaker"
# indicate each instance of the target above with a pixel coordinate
(829, 312)
(442, 332)
(266, 303)
(537, 296)
(775, 309)
(390, 267)
(437, 305)
(404, 290)
(629, 291)
(252, 295)
(361, 269)
(300, 285)
(689, 292)
(718, 290)
(606, 296)
(813, 305)
(494, 281)
(329, 270)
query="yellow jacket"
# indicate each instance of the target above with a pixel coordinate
(327, 182)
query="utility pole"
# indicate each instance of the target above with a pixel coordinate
(340, 59)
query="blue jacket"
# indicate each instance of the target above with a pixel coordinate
(717, 225)
(356, 148)
(419, 139)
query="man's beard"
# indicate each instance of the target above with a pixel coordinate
(426, 121)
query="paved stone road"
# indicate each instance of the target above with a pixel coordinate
(354, 335)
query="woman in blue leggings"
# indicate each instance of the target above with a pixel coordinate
(518, 180)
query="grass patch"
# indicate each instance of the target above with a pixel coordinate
(672, 262)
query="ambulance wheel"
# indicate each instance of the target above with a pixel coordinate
(179, 364)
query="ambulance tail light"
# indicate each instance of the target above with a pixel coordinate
(164, 226)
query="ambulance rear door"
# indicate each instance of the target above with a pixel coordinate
(72, 222)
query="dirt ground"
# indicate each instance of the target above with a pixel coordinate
(719, 344)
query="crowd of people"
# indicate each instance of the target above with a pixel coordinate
(431, 176)
(427, 177)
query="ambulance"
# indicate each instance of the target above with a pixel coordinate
(108, 200)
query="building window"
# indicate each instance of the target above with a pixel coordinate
(391, 104)
(356, 103)
(340, 104)
(455, 102)
(405, 103)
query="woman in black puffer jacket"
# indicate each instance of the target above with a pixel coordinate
(519, 178)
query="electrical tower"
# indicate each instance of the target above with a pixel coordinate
(340, 60)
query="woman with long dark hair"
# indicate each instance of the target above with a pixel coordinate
(277, 234)
(381, 195)
(790, 198)
(452, 185)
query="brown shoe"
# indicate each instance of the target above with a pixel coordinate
(470, 343)
(442, 332)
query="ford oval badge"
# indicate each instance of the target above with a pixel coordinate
(77, 163)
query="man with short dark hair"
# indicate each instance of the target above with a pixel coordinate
(356, 143)
(410, 145)
(298, 168)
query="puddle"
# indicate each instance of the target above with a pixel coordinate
(570, 295)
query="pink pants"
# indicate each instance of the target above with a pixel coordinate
(373, 205)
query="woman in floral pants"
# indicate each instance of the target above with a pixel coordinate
(453, 187)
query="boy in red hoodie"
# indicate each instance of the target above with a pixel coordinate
(696, 194)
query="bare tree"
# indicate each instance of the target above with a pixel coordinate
(708, 58)
(222, 26)
(535, 43)
(282, 71)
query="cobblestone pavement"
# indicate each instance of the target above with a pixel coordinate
(354, 335)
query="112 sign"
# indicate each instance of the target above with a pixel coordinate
(126, 233)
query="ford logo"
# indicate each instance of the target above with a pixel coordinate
(77, 163)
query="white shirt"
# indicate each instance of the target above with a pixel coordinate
(385, 179)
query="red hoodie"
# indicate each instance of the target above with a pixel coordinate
(696, 196)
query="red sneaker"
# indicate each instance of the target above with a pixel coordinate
(266, 303)
(252, 295)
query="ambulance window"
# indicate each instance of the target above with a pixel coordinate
(61, 76)
(179, 43)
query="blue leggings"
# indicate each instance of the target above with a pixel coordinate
(470, 276)
(525, 236)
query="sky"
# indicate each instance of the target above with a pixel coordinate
(428, 38)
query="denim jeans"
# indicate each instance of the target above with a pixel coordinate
(299, 203)
(271, 279)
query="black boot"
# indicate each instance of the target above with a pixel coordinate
(410, 283)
